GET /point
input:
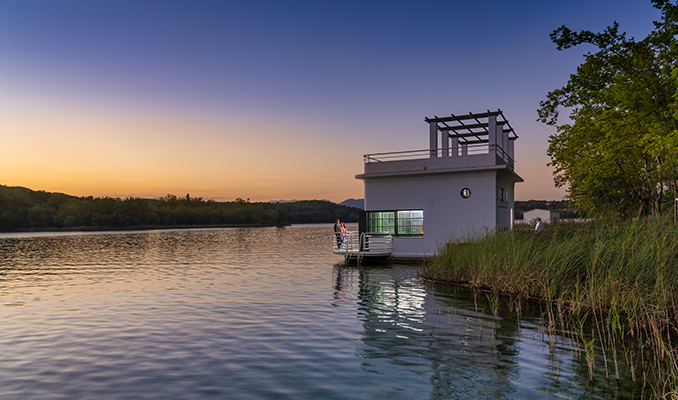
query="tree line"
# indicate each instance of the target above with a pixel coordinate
(618, 153)
(25, 209)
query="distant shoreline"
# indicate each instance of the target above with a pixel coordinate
(138, 228)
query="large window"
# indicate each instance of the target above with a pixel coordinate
(405, 223)
(381, 222)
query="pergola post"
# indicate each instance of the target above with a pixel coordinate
(504, 137)
(454, 145)
(492, 130)
(510, 149)
(433, 138)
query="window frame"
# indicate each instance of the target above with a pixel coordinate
(502, 195)
(397, 223)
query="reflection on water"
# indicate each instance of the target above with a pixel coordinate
(466, 348)
(257, 313)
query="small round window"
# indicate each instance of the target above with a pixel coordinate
(466, 193)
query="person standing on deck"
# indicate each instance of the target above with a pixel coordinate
(337, 233)
(344, 233)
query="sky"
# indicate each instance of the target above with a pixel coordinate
(271, 100)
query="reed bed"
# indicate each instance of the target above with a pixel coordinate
(611, 282)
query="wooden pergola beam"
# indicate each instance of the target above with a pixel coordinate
(463, 117)
(454, 124)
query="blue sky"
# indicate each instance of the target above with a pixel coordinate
(268, 99)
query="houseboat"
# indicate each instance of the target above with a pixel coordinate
(460, 187)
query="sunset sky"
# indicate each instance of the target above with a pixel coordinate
(270, 100)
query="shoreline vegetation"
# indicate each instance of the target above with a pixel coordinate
(610, 283)
(25, 210)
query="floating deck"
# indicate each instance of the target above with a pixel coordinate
(355, 246)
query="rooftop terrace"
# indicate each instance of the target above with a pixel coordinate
(457, 142)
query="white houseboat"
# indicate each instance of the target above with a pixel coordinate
(461, 186)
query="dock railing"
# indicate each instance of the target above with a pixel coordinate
(356, 245)
(376, 243)
(346, 243)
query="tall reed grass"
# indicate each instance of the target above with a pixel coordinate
(620, 278)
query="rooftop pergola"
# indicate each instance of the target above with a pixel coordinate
(481, 140)
(473, 128)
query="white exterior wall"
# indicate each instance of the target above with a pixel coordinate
(448, 217)
(505, 215)
(546, 215)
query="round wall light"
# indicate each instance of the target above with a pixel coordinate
(466, 193)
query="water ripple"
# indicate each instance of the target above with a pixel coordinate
(253, 313)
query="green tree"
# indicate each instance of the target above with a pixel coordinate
(41, 216)
(280, 214)
(619, 153)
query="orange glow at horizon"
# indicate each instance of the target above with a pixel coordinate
(130, 155)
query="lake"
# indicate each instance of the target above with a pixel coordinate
(259, 313)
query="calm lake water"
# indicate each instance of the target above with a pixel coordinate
(258, 313)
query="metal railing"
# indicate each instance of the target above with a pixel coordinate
(462, 151)
(346, 243)
(359, 245)
(376, 243)
(504, 156)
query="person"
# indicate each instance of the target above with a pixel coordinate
(344, 233)
(337, 233)
(539, 226)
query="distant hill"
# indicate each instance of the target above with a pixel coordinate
(357, 203)
(20, 188)
(23, 209)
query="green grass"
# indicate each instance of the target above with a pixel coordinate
(620, 276)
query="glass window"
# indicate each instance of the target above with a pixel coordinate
(410, 222)
(503, 195)
(397, 223)
(381, 222)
